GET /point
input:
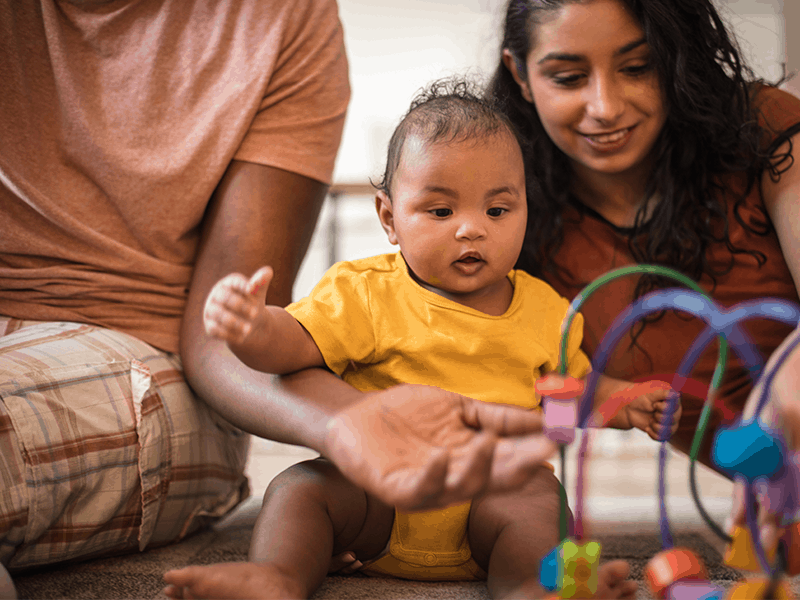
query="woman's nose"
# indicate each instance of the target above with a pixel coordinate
(605, 100)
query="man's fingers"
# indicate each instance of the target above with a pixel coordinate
(411, 489)
(502, 419)
(515, 459)
(471, 474)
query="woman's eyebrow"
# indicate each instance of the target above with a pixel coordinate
(568, 57)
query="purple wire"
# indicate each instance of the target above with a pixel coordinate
(579, 483)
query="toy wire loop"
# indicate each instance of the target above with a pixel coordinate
(723, 324)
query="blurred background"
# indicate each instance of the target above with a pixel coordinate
(396, 47)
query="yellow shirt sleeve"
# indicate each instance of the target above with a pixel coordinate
(337, 315)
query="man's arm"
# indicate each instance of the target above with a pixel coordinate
(258, 215)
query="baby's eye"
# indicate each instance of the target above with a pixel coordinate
(496, 211)
(442, 212)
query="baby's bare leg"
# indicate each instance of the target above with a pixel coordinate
(7, 591)
(509, 535)
(310, 513)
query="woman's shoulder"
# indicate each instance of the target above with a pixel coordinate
(776, 108)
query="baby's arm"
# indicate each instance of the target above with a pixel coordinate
(624, 405)
(265, 338)
(617, 403)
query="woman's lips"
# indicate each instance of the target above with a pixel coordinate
(607, 142)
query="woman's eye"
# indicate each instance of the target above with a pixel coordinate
(637, 69)
(567, 80)
(496, 212)
(442, 212)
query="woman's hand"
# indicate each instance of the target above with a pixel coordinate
(418, 447)
(235, 307)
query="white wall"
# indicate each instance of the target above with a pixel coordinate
(395, 47)
(759, 28)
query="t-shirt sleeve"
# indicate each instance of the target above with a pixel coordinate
(338, 317)
(298, 126)
(777, 110)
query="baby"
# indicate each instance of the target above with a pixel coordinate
(447, 310)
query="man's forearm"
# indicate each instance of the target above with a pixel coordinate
(293, 409)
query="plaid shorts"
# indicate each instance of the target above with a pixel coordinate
(103, 447)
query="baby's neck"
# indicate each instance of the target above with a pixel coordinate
(492, 300)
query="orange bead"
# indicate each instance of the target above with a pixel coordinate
(673, 565)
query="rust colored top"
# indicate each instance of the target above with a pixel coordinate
(117, 122)
(592, 246)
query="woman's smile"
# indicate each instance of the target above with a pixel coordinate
(609, 142)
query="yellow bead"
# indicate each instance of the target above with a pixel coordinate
(741, 552)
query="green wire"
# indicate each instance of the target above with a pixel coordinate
(574, 308)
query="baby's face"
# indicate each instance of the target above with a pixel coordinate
(459, 213)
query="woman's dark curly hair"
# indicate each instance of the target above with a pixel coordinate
(711, 129)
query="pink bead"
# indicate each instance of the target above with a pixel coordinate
(560, 418)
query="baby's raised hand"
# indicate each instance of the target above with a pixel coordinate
(647, 409)
(235, 306)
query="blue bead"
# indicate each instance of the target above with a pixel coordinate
(548, 570)
(747, 450)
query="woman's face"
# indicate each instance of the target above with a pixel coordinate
(590, 76)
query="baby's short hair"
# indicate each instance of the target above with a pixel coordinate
(447, 110)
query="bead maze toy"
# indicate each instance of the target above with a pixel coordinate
(749, 450)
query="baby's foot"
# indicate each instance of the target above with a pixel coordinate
(612, 581)
(232, 581)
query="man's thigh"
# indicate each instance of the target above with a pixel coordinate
(104, 446)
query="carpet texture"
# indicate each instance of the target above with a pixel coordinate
(140, 575)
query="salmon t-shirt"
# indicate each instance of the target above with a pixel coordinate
(117, 121)
(592, 246)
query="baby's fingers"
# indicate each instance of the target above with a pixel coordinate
(225, 325)
(231, 295)
(260, 281)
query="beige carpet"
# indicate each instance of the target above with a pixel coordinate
(139, 576)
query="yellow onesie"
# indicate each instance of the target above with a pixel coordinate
(370, 315)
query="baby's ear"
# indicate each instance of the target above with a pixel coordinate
(383, 204)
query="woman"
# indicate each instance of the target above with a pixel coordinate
(651, 142)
